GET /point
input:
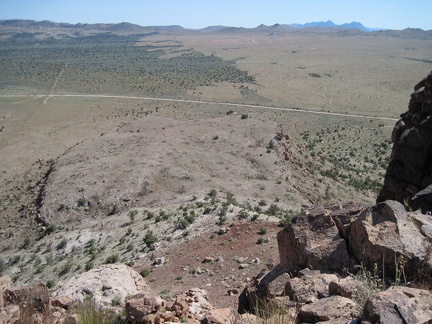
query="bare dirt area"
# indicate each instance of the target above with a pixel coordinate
(220, 263)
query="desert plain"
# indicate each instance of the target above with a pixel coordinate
(138, 145)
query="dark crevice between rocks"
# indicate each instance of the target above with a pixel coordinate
(426, 172)
(40, 198)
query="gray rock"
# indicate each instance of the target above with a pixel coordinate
(334, 309)
(399, 305)
(123, 281)
(312, 240)
(383, 234)
(309, 287)
(344, 287)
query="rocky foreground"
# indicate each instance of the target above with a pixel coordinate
(339, 264)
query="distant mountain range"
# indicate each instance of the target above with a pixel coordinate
(326, 27)
(21, 23)
(330, 24)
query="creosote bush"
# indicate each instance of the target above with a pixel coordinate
(144, 272)
(150, 238)
(113, 258)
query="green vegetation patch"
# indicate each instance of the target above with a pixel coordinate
(110, 64)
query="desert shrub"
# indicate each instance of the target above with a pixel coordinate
(113, 258)
(88, 266)
(132, 215)
(273, 210)
(62, 207)
(81, 202)
(158, 219)
(212, 193)
(150, 238)
(271, 145)
(222, 219)
(2, 266)
(144, 272)
(38, 269)
(122, 240)
(244, 116)
(50, 229)
(26, 243)
(89, 313)
(62, 244)
(231, 200)
(243, 214)
(262, 231)
(14, 259)
(66, 268)
(116, 301)
(112, 210)
(183, 224)
(50, 283)
(366, 283)
(190, 217)
(270, 312)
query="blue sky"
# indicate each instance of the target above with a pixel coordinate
(395, 14)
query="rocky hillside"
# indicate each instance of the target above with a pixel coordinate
(337, 264)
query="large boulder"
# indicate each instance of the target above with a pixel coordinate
(399, 305)
(315, 240)
(103, 284)
(385, 237)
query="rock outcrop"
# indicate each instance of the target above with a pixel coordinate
(385, 242)
(385, 236)
(191, 304)
(399, 305)
(96, 289)
(317, 239)
(25, 304)
(410, 168)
